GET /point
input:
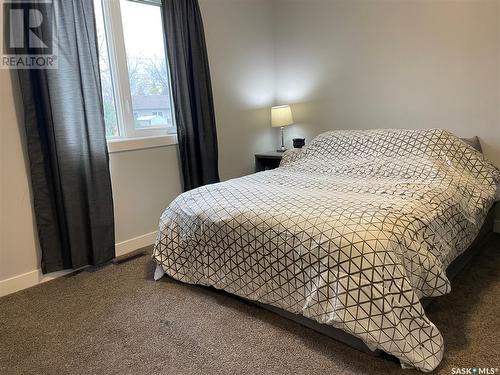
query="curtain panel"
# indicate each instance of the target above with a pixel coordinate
(192, 92)
(66, 145)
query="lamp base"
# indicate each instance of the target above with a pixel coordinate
(282, 133)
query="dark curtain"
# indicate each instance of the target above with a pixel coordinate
(192, 92)
(66, 145)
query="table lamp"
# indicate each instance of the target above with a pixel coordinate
(281, 116)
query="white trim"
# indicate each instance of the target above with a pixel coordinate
(496, 227)
(112, 22)
(27, 280)
(125, 247)
(32, 278)
(119, 67)
(129, 144)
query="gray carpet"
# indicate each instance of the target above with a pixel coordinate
(116, 320)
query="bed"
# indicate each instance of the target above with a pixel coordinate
(353, 232)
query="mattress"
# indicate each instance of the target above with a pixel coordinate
(351, 231)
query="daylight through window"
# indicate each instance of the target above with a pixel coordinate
(134, 69)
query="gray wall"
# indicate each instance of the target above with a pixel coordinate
(390, 64)
(241, 52)
(144, 183)
(18, 239)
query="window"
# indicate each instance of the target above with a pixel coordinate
(134, 69)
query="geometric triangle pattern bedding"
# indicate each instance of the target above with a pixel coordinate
(351, 231)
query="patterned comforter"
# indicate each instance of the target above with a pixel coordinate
(350, 231)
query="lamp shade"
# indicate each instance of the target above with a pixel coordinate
(281, 116)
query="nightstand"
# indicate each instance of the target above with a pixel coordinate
(267, 160)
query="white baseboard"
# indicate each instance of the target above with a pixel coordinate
(496, 228)
(27, 280)
(32, 278)
(125, 247)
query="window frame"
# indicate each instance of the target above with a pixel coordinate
(117, 54)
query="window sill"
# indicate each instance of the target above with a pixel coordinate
(140, 143)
